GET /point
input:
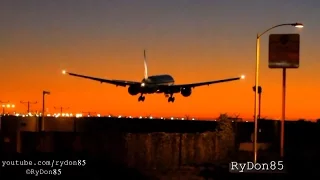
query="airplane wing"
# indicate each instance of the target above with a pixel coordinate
(122, 83)
(193, 85)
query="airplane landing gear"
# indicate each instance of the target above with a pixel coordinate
(171, 99)
(141, 98)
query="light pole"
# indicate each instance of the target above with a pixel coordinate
(43, 108)
(298, 25)
(4, 106)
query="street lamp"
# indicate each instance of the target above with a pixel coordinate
(43, 108)
(298, 25)
(4, 106)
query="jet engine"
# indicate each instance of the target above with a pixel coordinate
(133, 90)
(186, 91)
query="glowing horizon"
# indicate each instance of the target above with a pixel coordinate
(107, 38)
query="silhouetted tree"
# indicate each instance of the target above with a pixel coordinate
(226, 138)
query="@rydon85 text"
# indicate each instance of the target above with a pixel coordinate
(273, 166)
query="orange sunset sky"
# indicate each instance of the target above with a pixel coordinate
(193, 41)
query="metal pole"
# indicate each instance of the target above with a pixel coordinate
(180, 149)
(284, 77)
(255, 136)
(259, 114)
(42, 117)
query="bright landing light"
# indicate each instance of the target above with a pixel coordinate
(242, 76)
(64, 71)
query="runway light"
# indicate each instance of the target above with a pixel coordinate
(98, 115)
(192, 119)
(172, 118)
(161, 118)
(182, 118)
(151, 117)
(143, 84)
(140, 117)
(119, 116)
(78, 115)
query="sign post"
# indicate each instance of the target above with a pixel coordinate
(284, 52)
(41, 127)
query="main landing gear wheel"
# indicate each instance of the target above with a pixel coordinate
(141, 98)
(171, 99)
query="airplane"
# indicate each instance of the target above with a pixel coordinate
(163, 83)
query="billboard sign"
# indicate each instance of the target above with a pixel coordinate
(284, 50)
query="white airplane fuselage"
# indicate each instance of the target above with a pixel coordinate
(151, 84)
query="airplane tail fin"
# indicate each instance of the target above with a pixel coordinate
(145, 65)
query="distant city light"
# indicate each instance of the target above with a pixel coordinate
(78, 115)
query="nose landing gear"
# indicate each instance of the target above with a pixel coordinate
(171, 98)
(141, 98)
